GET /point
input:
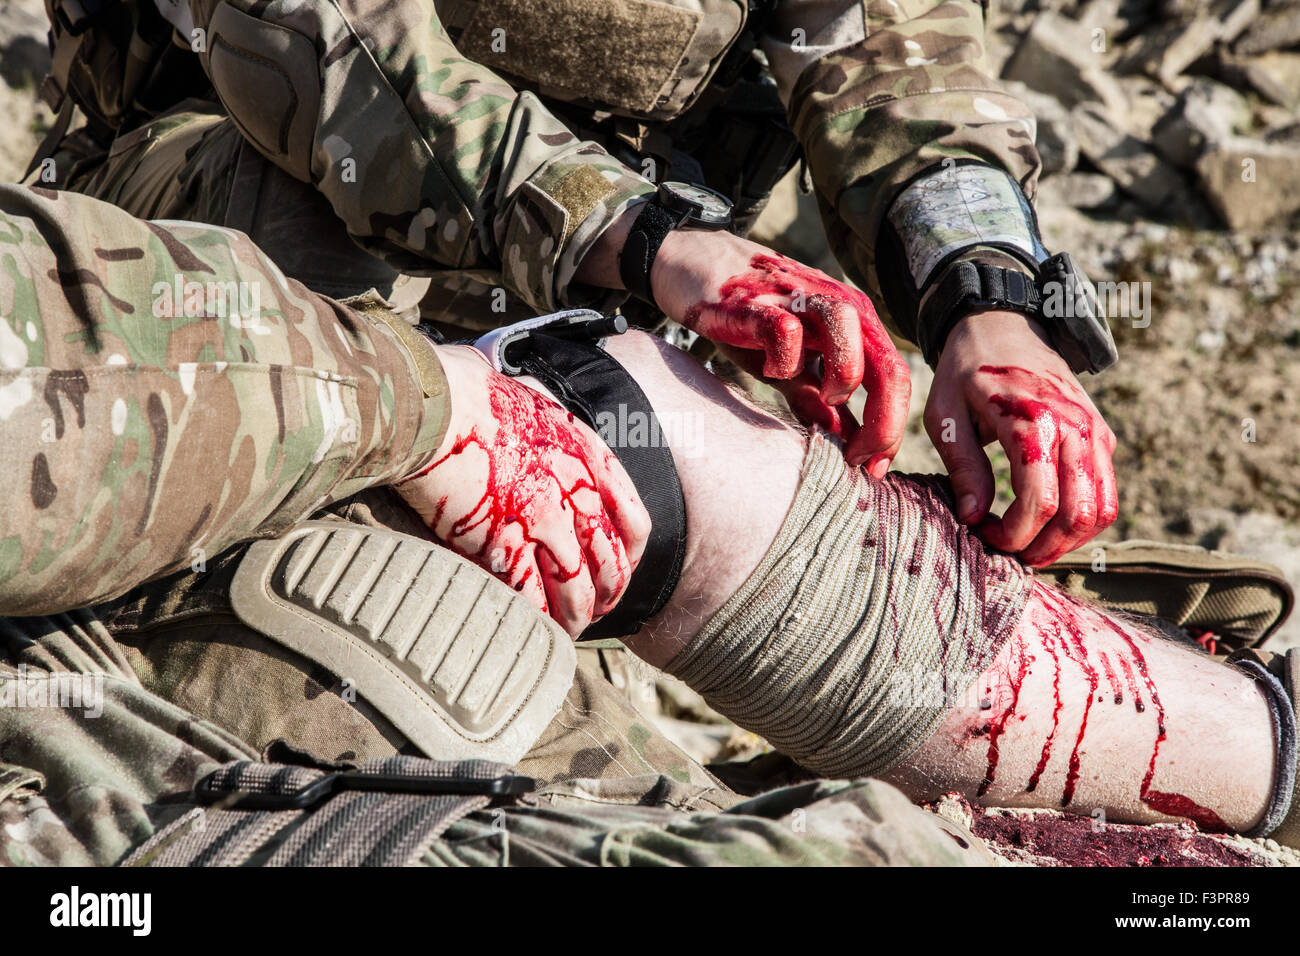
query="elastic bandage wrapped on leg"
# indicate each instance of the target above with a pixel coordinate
(872, 610)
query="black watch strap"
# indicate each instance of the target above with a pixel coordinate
(648, 232)
(965, 287)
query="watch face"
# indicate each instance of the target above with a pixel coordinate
(703, 204)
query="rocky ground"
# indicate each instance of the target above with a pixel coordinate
(1171, 138)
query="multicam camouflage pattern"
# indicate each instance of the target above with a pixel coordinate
(428, 158)
(67, 795)
(175, 394)
(183, 641)
(449, 168)
(191, 162)
(614, 792)
(821, 823)
(438, 166)
(915, 92)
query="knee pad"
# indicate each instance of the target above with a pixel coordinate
(460, 664)
(872, 611)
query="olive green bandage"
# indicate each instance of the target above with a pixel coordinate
(870, 614)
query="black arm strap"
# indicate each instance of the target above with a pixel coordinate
(976, 286)
(647, 234)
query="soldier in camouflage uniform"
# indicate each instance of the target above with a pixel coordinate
(133, 433)
(159, 431)
(383, 124)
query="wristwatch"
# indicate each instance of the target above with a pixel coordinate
(1061, 298)
(674, 206)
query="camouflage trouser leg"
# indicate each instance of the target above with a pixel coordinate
(89, 775)
(821, 823)
(183, 639)
(87, 755)
(193, 163)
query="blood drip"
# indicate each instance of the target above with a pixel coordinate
(1132, 685)
(1170, 804)
(532, 441)
(1111, 678)
(998, 724)
(1072, 643)
(1066, 614)
(1049, 642)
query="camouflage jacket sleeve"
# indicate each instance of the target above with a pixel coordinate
(166, 393)
(878, 92)
(429, 159)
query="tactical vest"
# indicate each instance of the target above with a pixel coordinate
(672, 88)
(116, 60)
(645, 60)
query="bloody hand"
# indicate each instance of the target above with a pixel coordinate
(998, 379)
(529, 493)
(789, 316)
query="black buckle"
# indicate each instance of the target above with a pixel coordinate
(334, 783)
(577, 329)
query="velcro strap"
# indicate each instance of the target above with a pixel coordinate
(978, 286)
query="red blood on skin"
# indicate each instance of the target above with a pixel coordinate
(1066, 628)
(1110, 677)
(1047, 411)
(1073, 644)
(534, 440)
(1049, 642)
(1171, 804)
(1040, 446)
(756, 303)
(1132, 685)
(999, 723)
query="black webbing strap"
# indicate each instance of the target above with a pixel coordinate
(384, 812)
(979, 286)
(588, 380)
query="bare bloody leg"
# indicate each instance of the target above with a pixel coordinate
(1085, 711)
(1079, 709)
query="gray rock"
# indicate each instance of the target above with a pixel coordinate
(24, 55)
(1136, 169)
(1276, 75)
(1080, 190)
(1206, 112)
(1148, 101)
(1117, 19)
(1251, 183)
(1234, 17)
(1284, 134)
(1166, 50)
(1055, 140)
(1057, 57)
(1275, 28)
